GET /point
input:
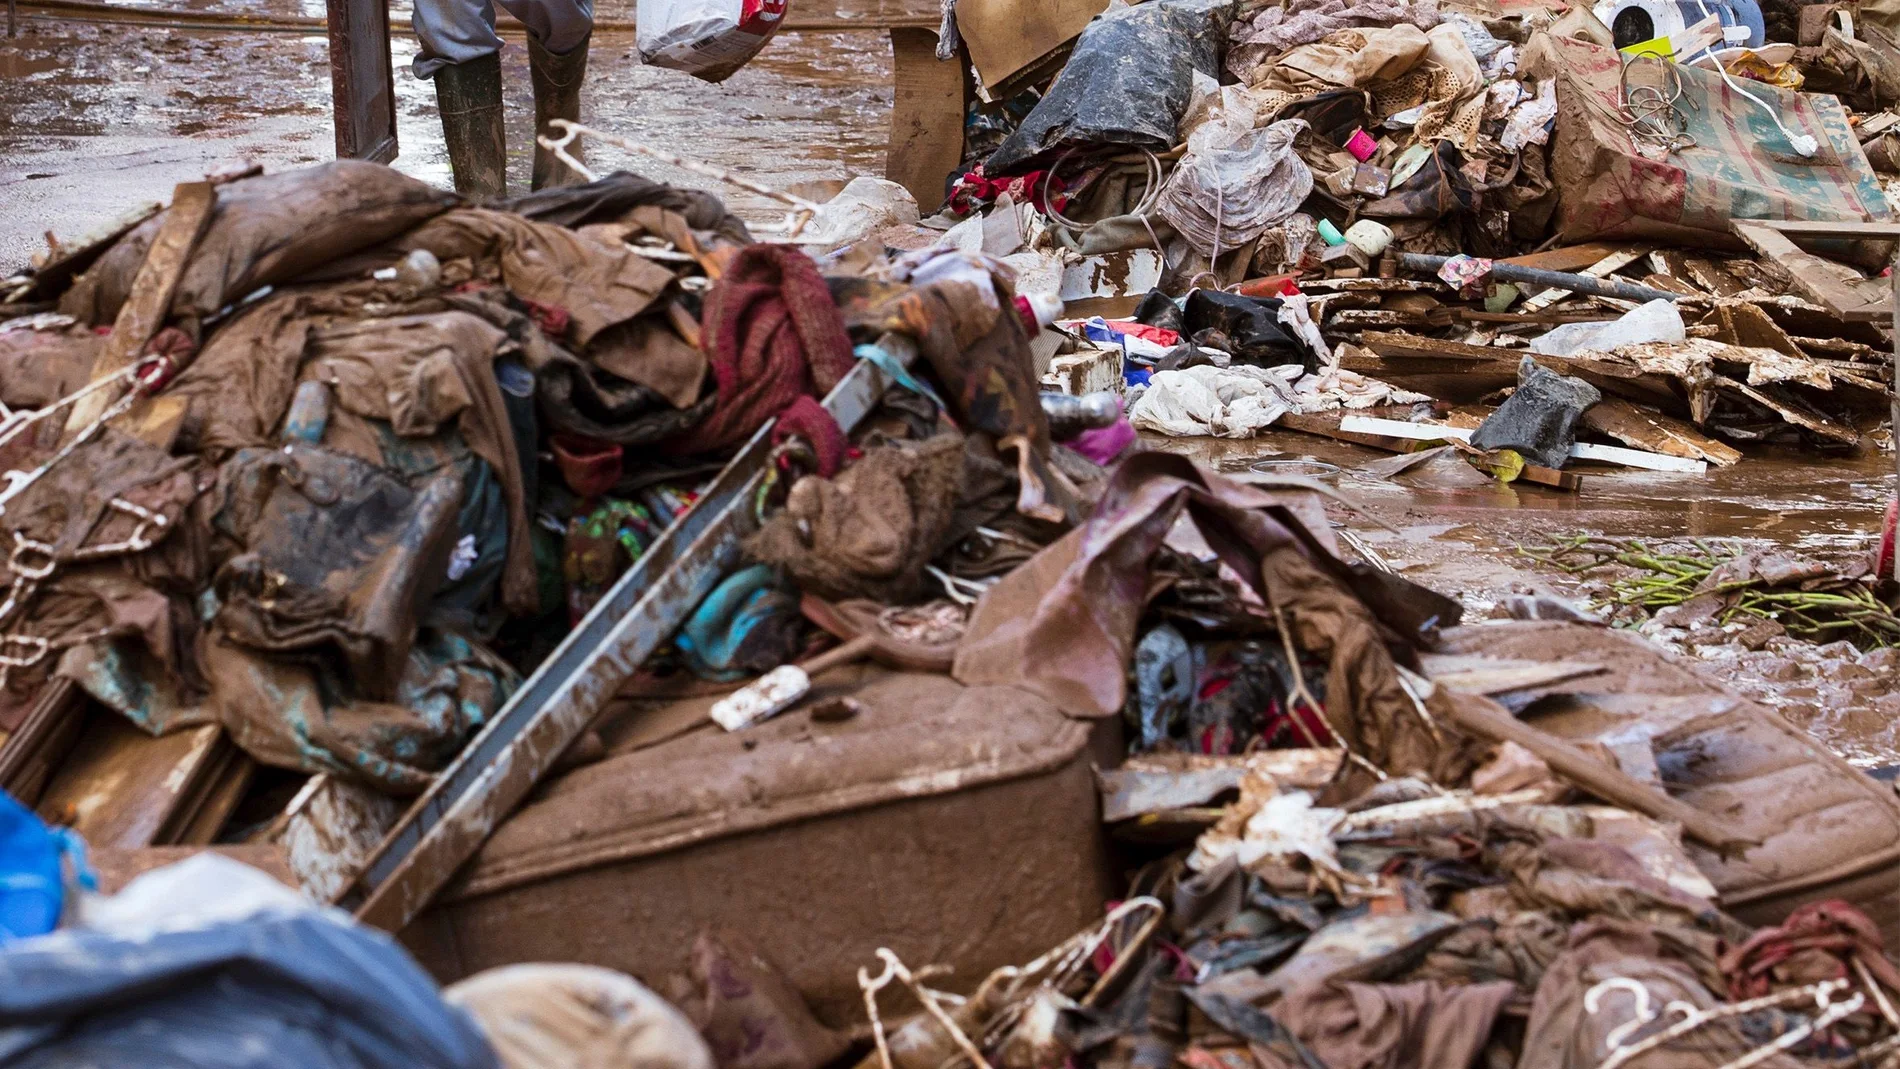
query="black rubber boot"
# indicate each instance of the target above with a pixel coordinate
(557, 95)
(469, 97)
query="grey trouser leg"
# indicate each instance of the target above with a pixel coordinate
(456, 31)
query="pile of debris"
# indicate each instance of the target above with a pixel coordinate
(1401, 200)
(510, 574)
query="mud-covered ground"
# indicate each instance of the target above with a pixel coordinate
(1447, 526)
(96, 119)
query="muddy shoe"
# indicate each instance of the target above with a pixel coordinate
(557, 95)
(469, 97)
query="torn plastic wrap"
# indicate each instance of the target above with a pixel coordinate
(1236, 180)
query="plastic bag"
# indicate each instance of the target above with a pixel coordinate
(31, 889)
(1128, 83)
(1235, 181)
(1656, 321)
(708, 39)
(1539, 420)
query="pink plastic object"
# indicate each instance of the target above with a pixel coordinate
(1361, 145)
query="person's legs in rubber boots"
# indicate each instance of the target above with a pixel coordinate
(557, 95)
(468, 95)
(558, 32)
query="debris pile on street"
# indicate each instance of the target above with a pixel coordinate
(1413, 197)
(774, 646)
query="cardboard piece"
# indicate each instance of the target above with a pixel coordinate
(1006, 37)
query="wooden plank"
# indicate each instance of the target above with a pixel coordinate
(121, 787)
(1569, 258)
(1400, 344)
(1603, 268)
(1326, 425)
(1616, 418)
(153, 286)
(42, 741)
(1867, 302)
(1439, 432)
(926, 142)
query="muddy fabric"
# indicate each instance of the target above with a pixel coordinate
(596, 286)
(1300, 22)
(650, 353)
(70, 509)
(573, 396)
(615, 196)
(305, 715)
(869, 532)
(1063, 625)
(1815, 943)
(242, 381)
(339, 555)
(577, 1017)
(38, 367)
(771, 333)
(284, 713)
(263, 231)
(1420, 1025)
(424, 372)
(980, 357)
(1582, 877)
(750, 1014)
(1670, 963)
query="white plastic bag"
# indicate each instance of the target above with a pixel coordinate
(707, 39)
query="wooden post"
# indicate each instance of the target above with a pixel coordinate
(362, 80)
(926, 116)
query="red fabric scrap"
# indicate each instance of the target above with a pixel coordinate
(772, 335)
(807, 419)
(1820, 937)
(974, 191)
(1158, 335)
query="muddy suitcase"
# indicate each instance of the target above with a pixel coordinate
(1826, 829)
(954, 825)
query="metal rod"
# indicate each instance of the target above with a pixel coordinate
(1564, 280)
(496, 770)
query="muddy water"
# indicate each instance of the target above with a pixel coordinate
(96, 119)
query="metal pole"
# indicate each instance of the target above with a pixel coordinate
(13, 18)
(1563, 280)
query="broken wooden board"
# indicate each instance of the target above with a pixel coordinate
(1569, 258)
(926, 117)
(121, 787)
(1608, 454)
(1157, 783)
(328, 832)
(150, 303)
(1616, 418)
(1826, 428)
(1471, 674)
(1326, 425)
(1866, 301)
(1603, 268)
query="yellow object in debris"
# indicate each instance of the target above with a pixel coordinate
(1655, 46)
(1752, 66)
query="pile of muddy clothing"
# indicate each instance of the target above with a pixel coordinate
(1409, 197)
(1349, 854)
(332, 460)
